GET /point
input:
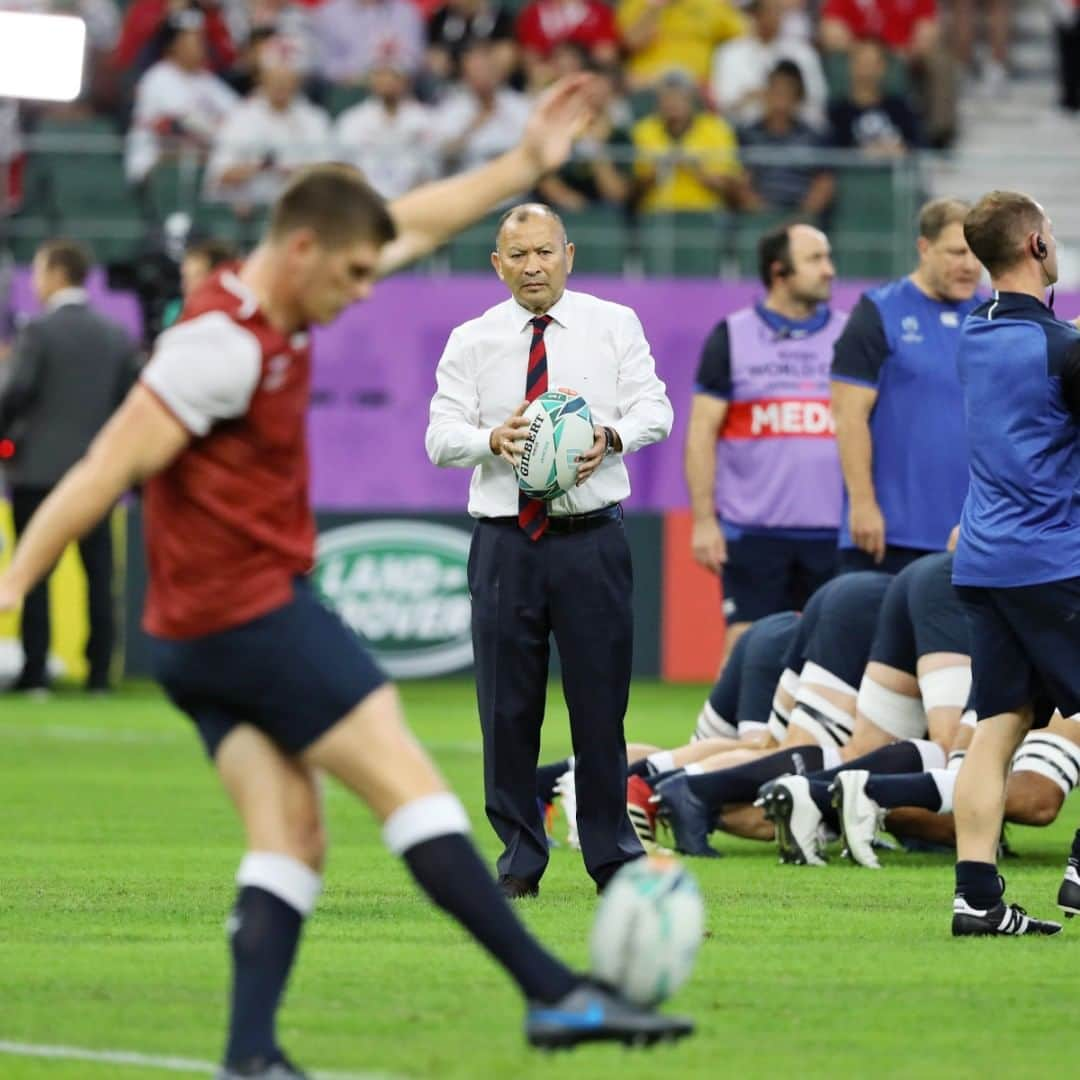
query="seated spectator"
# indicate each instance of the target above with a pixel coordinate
(995, 72)
(686, 157)
(879, 125)
(12, 159)
(661, 35)
(143, 22)
(390, 137)
(790, 179)
(545, 24)
(457, 24)
(268, 135)
(177, 98)
(912, 31)
(600, 171)
(483, 118)
(741, 67)
(355, 35)
(250, 21)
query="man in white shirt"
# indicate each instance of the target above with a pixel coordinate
(561, 567)
(484, 118)
(177, 98)
(390, 137)
(741, 67)
(268, 136)
(354, 34)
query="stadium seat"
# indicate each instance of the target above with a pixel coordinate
(339, 98)
(470, 251)
(747, 230)
(599, 236)
(869, 212)
(681, 245)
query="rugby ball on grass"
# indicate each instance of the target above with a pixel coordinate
(560, 430)
(648, 929)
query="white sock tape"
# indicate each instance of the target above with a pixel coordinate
(945, 779)
(711, 725)
(1052, 756)
(933, 757)
(283, 876)
(662, 760)
(946, 688)
(816, 675)
(896, 714)
(424, 819)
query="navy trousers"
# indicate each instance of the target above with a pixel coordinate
(577, 587)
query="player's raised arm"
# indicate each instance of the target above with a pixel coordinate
(427, 217)
(141, 439)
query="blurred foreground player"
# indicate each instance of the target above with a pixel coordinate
(275, 683)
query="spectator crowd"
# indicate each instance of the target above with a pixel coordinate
(708, 104)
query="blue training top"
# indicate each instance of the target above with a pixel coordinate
(1020, 370)
(903, 343)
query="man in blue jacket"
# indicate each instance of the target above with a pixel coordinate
(1017, 563)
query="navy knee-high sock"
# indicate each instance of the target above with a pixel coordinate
(819, 792)
(911, 789)
(898, 757)
(264, 934)
(740, 784)
(451, 872)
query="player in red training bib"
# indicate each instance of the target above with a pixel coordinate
(277, 686)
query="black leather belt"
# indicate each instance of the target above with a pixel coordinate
(569, 523)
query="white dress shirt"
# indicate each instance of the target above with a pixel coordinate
(396, 151)
(501, 130)
(593, 346)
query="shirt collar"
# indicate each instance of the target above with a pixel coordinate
(559, 311)
(1007, 303)
(781, 324)
(71, 295)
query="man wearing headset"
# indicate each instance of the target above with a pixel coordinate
(897, 402)
(767, 518)
(1018, 555)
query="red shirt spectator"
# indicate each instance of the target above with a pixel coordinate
(144, 18)
(890, 21)
(547, 23)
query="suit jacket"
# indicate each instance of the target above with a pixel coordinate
(70, 369)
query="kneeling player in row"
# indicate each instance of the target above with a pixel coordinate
(277, 686)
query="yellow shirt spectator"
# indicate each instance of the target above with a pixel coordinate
(682, 185)
(665, 34)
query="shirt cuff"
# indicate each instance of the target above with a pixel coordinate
(480, 447)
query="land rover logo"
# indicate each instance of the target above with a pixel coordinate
(404, 586)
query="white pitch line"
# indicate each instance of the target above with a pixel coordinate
(150, 1061)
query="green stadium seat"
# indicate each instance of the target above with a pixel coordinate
(681, 245)
(470, 251)
(746, 231)
(869, 212)
(340, 98)
(599, 237)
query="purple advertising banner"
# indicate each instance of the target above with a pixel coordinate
(375, 374)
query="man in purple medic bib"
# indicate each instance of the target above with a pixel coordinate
(766, 508)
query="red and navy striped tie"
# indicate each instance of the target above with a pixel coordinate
(532, 513)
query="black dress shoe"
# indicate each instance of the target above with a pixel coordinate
(515, 888)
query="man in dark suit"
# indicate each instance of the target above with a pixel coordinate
(70, 368)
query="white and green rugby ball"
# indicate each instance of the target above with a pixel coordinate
(648, 929)
(560, 430)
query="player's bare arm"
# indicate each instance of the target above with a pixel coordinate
(851, 407)
(707, 414)
(430, 215)
(142, 438)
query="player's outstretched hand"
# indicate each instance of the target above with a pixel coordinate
(708, 545)
(561, 115)
(590, 460)
(506, 440)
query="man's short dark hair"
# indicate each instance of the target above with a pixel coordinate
(788, 69)
(214, 250)
(336, 203)
(938, 214)
(522, 212)
(997, 228)
(70, 257)
(774, 247)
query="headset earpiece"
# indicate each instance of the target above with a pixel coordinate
(1040, 248)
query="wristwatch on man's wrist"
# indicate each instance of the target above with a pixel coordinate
(609, 442)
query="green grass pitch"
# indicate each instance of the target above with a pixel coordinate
(118, 857)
